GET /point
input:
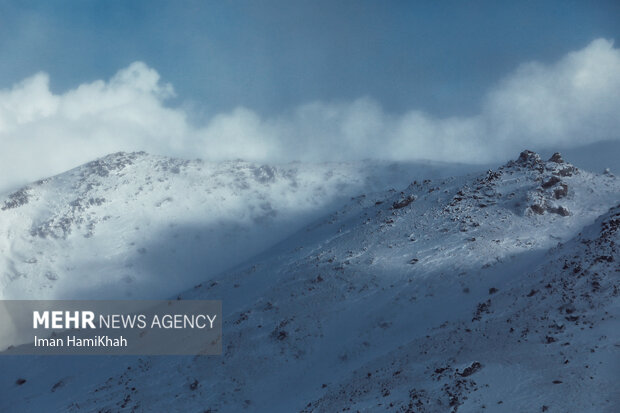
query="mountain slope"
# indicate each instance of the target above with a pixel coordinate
(454, 294)
(136, 225)
(546, 340)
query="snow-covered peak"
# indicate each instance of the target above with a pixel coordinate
(139, 225)
(447, 224)
(453, 294)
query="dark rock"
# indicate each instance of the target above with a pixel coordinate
(537, 209)
(492, 175)
(113, 162)
(551, 182)
(16, 199)
(475, 366)
(403, 202)
(604, 258)
(481, 309)
(560, 211)
(528, 157)
(557, 158)
(560, 192)
(57, 385)
(567, 171)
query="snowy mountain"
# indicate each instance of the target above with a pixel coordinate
(136, 225)
(494, 291)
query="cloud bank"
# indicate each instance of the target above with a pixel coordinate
(571, 102)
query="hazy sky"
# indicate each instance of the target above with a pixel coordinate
(439, 56)
(275, 81)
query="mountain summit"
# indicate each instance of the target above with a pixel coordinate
(134, 225)
(495, 290)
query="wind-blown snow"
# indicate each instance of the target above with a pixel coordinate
(494, 291)
(560, 105)
(140, 226)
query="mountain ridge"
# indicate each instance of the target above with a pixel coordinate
(454, 294)
(121, 217)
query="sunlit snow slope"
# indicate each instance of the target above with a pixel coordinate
(132, 225)
(494, 292)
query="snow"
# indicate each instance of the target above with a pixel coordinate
(133, 225)
(467, 298)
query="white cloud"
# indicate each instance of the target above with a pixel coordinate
(571, 102)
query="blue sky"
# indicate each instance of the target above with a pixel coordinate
(271, 55)
(277, 81)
